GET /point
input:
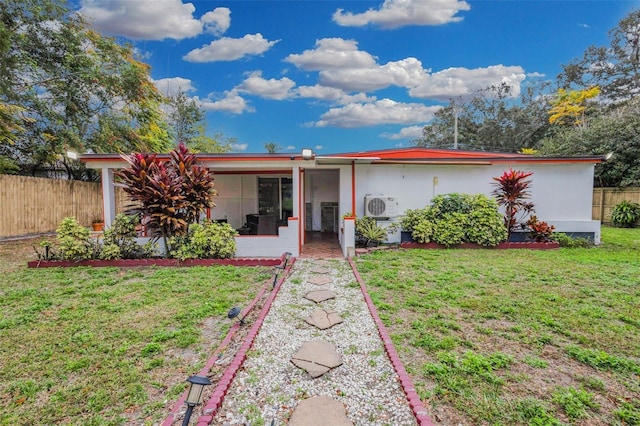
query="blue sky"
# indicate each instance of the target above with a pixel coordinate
(342, 76)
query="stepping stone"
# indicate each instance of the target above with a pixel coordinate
(319, 295)
(317, 357)
(321, 280)
(320, 270)
(324, 319)
(319, 411)
(323, 263)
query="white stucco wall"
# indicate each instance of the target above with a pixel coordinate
(562, 193)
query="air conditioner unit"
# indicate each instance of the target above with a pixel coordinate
(380, 206)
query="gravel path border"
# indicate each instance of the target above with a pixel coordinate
(267, 386)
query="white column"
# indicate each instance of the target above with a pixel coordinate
(108, 196)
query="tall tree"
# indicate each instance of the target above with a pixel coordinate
(491, 120)
(188, 124)
(78, 88)
(614, 68)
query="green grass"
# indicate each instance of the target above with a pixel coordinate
(104, 346)
(488, 336)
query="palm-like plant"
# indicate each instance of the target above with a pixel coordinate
(512, 192)
(171, 196)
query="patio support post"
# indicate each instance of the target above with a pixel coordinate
(108, 196)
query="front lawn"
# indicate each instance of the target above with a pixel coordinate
(517, 336)
(106, 346)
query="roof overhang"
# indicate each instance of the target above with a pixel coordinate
(335, 160)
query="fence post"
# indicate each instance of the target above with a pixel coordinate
(601, 205)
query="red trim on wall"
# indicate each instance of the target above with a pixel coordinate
(254, 172)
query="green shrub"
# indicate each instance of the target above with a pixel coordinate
(625, 214)
(450, 230)
(210, 240)
(485, 223)
(119, 240)
(570, 242)
(412, 217)
(444, 205)
(367, 229)
(423, 231)
(74, 240)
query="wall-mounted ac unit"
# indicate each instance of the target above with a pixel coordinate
(380, 206)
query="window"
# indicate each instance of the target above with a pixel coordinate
(275, 197)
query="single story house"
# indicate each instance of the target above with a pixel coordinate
(274, 199)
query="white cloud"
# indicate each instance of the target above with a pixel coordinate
(332, 53)
(384, 111)
(232, 103)
(324, 93)
(270, 89)
(230, 49)
(217, 21)
(404, 73)
(143, 19)
(239, 146)
(535, 75)
(290, 148)
(173, 85)
(454, 82)
(411, 132)
(400, 13)
(318, 147)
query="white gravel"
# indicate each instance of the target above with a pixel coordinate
(268, 386)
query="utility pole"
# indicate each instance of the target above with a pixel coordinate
(455, 126)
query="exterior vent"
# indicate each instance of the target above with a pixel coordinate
(380, 206)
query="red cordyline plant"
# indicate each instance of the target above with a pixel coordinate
(170, 195)
(512, 192)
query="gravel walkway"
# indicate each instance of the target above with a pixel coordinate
(268, 386)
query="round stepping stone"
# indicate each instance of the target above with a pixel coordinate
(319, 411)
(324, 319)
(323, 263)
(319, 295)
(320, 270)
(317, 357)
(320, 280)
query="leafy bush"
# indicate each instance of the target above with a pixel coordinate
(456, 218)
(541, 232)
(570, 242)
(210, 240)
(423, 231)
(625, 214)
(368, 230)
(450, 230)
(485, 223)
(119, 240)
(412, 217)
(75, 241)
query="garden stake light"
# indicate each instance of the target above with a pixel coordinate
(276, 272)
(194, 395)
(234, 312)
(287, 256)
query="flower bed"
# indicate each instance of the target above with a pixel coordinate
(130, 263)
(532, 245)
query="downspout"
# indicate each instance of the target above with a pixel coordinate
(353, 188)
(301, 212)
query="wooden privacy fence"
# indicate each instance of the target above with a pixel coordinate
(604, 199)
(37, 205)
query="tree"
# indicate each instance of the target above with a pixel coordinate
(188, 124)
(571, 104)
(612, 129)
(491, 120)
(614, 68)
(272, 147)
(81, 91)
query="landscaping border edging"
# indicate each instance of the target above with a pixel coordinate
(130, 263)
(417, 406)
(213, 404)
(532, 245)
